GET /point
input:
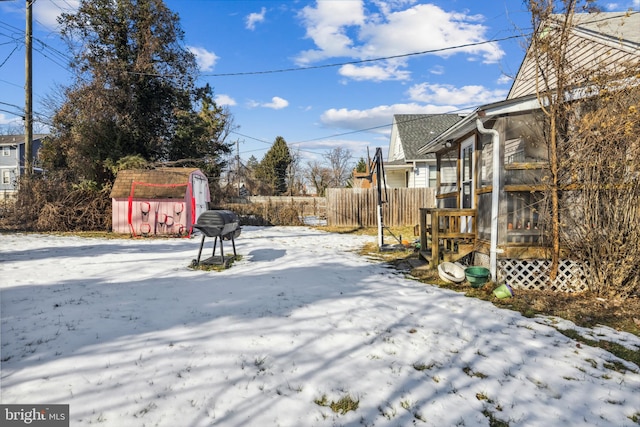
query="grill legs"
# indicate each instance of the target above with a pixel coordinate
(216, 260)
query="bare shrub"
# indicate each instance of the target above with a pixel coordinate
(268, 213)
(52, 204)
(601, 215)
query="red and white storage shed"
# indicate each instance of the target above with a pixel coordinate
(164, 201)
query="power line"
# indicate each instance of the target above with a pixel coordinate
(8, 56)
(363, 61)
(424, 116)
(339, 64)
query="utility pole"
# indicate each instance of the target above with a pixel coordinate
(238, 165)
(28, 99)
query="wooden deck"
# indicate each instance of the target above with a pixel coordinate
(446, 234)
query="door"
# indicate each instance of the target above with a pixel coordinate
(200, 190)
(467, 192)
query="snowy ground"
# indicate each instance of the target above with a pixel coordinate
(127, 335)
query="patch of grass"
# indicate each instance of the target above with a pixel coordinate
(388, 412)
(345, 404)
(614, 348)
(635, 417)
(419, 366)
(215, 267)
(593, 363)
(406, 232)
(493, 421)
(467, 370)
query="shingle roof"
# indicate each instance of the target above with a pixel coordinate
(18, 139)
(122, 185)
(416, 130)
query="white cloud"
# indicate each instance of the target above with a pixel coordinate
(426, 27)
(254, 18)
(276, 103)
(206, 60)
(376, 73)
(347, 29)
(6, 120)
(225, 100)
(438, 70)
(504, 79)
(46, 12)
(380, 117)
(327, 25)
(464, 96)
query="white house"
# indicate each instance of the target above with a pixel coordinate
(405, 167)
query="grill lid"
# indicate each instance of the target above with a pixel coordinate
(214, 223)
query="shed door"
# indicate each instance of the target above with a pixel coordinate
(200, 188)
(466, 181)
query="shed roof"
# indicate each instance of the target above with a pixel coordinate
(122, 185)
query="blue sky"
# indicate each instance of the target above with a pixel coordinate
(339, 94)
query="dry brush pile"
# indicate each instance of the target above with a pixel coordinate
(53, 204)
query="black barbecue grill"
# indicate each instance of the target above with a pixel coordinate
(219, 224)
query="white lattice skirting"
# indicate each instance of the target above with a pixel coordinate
(533, 274)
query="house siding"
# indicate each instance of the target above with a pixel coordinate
(419, 177)
(396, 179)
(12, 161)
(8, 169)
(585, 51)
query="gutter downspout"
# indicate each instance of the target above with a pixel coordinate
(493, 251)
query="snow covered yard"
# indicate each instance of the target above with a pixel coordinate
(127, 335)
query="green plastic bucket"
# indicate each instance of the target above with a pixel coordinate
(477, 276)
(503, 291)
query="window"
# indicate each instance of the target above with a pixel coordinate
(6, 177)
(433, 176)
(6, 151)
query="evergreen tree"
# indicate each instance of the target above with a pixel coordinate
(272, 170)
(134, 92)
(252, 163)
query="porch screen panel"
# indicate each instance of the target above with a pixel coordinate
(449, 172)
(524, 139)
(525, 214)
(486, 162)
(483, 216)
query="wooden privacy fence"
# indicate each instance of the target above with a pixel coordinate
(355, 207)
(308, 206)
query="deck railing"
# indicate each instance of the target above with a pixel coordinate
(447, 234)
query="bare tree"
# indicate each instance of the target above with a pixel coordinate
(339, 160)
(295, 174)
(591, 130)
(601, 168)
(319, 176)
(549, 46)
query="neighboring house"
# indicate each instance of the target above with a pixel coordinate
(164, 201)
(12, 152)
(405, 166)
(491, 165)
